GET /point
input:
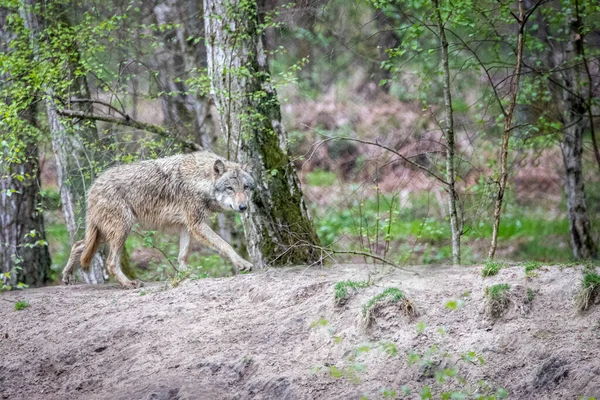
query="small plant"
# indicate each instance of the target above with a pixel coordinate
(454, 304)
(444, 371)
(531, 267)
(179, 277)
(492, 268)
(320, 322)
(588, 291)
(388, 296)
(342, 290)
(497, 299)
(21, 305)
(530, 295)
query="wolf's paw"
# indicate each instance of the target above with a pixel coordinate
(68, 279)
(244, 266)
(134, 284)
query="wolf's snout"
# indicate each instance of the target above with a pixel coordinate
(243, 207)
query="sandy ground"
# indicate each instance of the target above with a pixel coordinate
(277, 334)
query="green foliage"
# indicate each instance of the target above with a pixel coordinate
(21, 305)
(454, 304)
(492, 268)
(443, 372)
(343, 289)
(321, 178)
(534, 235)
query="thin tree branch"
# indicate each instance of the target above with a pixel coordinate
(127, 121)
(402, 156)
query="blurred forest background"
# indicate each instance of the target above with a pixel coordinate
(419, 130)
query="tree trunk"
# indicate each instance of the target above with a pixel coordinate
(450, 143)
(508, 117)
(185, 112)
(572, 147)
(24, 255)
(70, 143)
(278, 228)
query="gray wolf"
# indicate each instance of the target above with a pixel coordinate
(174, 192)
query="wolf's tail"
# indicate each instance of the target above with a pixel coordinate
(91, 243)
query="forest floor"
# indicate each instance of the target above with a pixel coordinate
(278, 334)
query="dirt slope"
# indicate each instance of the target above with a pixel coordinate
(278, 335)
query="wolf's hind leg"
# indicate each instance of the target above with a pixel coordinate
(67, 274)
(113, 263)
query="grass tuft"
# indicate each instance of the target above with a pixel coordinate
(531, 266)
(388, 296)
(497, 299)
(21, 305)
(588, 291)
(492, 268)
(343, 289)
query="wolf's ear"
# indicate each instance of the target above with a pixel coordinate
(218, 168)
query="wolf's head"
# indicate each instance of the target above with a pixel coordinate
(232, 187)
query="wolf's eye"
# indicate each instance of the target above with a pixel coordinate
(229, 189)
(247, 187)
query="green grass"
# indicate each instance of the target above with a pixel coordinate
(21, 305)
(497, 299)
(531, 267)
(588, 291)
(497, 291)
(342, 290)
(390, 295)
(321, 178)
(528, 230)
(492, 268)
(60, 247)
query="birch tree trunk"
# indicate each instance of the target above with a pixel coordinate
(71, 145)
(278, 229)
(455, 224)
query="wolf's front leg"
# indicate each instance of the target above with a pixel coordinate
(203, 233)
(184, 249)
